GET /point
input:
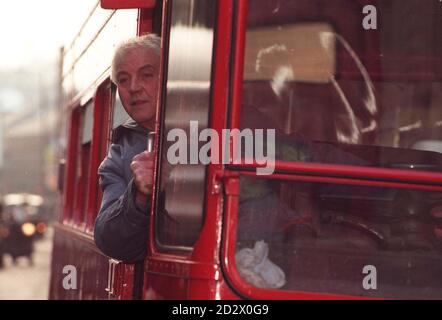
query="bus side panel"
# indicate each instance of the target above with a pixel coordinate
(202, 289)
(165, 280)
(176, 287)
(165, 287)
(78, 270)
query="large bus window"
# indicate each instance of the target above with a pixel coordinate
(181, 196)
(319, 237)
(324, 81)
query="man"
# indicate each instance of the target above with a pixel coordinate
(126, 174)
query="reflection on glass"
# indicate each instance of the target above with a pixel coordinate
(318, 78)
(321, 236)
(303, 50)
(119, 114)
(181, 198)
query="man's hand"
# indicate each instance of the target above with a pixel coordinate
(142, 168)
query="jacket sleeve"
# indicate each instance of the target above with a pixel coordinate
(121, 227)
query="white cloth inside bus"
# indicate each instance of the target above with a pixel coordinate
(256, 268)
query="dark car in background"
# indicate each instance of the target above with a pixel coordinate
(23, 221)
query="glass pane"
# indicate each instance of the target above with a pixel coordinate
(88, 122)
(324, 82)
(181, 204)
(321, 237)
(119, 114)
(272, 51)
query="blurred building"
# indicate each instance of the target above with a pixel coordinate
(28, 139)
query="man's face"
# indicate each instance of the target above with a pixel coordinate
(137, 81)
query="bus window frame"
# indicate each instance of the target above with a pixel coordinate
(80, 211)
(71, 166)
(231, 181)
(291, 171)
(206, 253)
(281, 165)
(156, 248)
(83, 167)
(103, 102)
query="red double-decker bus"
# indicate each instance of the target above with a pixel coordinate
(353, 208)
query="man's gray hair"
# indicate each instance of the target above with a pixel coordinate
(148, 41)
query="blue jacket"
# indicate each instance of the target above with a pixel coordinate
(121, 227)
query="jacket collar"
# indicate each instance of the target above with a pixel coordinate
(130, 124)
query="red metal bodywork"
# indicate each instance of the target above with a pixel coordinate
(128, 4)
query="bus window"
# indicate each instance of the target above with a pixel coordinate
(181, 198)
(83, 163)
(322, 236)
(113, 115)
(100, 142)
(88, 121)
(71, 167)
(322, 80)
(338, 94)
(119, 114)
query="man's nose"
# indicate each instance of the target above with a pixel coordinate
(135, 84)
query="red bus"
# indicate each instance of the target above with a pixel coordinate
(353, 209)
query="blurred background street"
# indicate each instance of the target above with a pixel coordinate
(24, 281)
(34, 34)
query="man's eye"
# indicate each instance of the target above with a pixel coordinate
(146, 75)
(122, 80)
